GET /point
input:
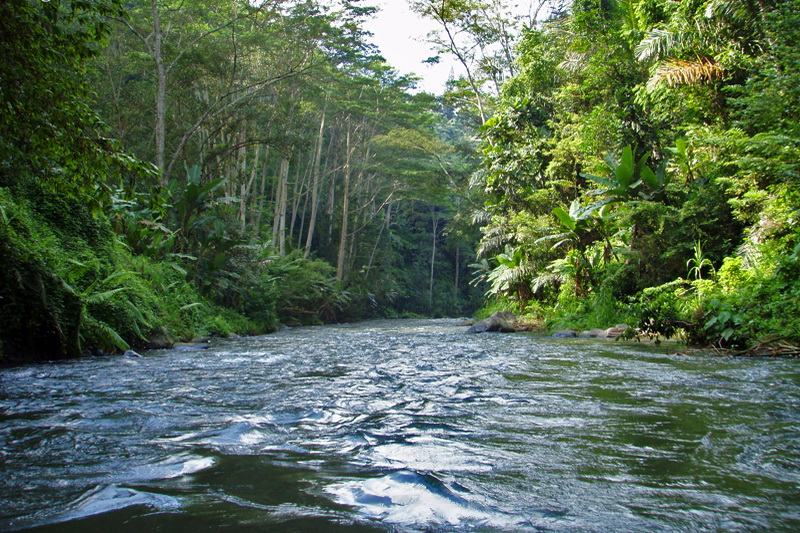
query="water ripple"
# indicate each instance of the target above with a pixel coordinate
(402, 426)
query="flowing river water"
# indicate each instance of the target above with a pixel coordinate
(401, 426)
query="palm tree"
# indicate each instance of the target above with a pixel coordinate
(696, 47)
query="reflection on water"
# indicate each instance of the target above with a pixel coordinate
(402, 426)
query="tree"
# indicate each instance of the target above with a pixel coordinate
(48, 129)
(211, 61)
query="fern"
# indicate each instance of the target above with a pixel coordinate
(106, 331)
(100, 297)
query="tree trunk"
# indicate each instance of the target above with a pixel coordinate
(297, 194)
(433, 257)
(262, 193)
(345, 208)
(315, 188)
(279, 224)
(458, 271)
(385, 224)
(161, 93)
(247, 189)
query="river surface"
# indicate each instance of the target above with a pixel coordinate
(401, 426)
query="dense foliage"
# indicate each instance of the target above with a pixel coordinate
(177, 169)
(642, 167)
(173, 170)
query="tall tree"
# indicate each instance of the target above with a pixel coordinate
(251, 47)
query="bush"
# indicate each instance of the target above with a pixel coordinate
(68, 285)
(661, 310)
(305, 290)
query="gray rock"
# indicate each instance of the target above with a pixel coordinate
(592, 333)
(616, 331)
(503, 321)
(159, 341)
(564, 334)
(131, 353)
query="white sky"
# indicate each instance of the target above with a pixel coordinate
(400, 35)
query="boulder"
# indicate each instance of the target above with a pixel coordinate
(503, 321)
(592, 333)
(616, 331)
(564, 334)
(159, 341)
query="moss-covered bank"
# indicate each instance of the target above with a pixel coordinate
(69, 285)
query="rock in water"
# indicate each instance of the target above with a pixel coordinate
(616, 331)
(504, 321)
(593, 333)
(131, 353)
(564, 334)
(159, 341)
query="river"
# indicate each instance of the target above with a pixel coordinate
(399, 426)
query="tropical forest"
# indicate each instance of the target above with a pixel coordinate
(176, 169)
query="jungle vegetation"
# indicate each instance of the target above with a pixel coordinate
(180, 169)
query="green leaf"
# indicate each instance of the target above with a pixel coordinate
(625, 171)
(680, 144)
(564, 218)
(111, 335)
(103, 296)
(606, 182)
(649, 177)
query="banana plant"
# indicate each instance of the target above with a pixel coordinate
(202, 236)
(193, 201)
(576, 225)
(630, 179)
(578, 230)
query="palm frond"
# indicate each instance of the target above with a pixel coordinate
(659, 43)
(683, 72)
(139, 319)
(546, 278)
(118, 277)
(106, 331)
(478, 179)
(555, 236)
(494, 241)
(481, 216)
(573, 62)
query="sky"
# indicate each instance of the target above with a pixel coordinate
(400, 35)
